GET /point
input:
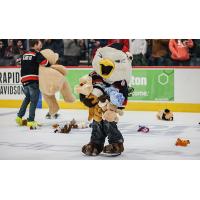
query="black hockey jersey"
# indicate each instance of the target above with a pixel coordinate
(30, 62)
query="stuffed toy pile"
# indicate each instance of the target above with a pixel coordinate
(67, 127)
(105, 92)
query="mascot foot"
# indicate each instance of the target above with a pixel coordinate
(92, 149)
(115, 148)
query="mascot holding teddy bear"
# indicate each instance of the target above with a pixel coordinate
(105, 92)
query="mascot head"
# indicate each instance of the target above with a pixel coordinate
(113, 63)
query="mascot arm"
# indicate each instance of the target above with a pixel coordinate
(59, 68)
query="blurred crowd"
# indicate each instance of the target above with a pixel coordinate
(146, 52)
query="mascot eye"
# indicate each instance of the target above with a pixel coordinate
(117, 61)
(123, 60)
(100, 55)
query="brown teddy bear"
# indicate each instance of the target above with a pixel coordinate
(85, 87)
(165, 115)
(111, 112)
(95, 112)
(182, 142)
(51, 80)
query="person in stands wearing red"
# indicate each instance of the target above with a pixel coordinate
(179, 49)
(124, 42)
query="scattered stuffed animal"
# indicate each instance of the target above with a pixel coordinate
(143, 129)
(78, 125)
(65, 129)
(111, 76)
(73, 124)
(182, 142)
(55, 125)
(166, 115)
(51, 80)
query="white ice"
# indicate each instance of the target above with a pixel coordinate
(22, 143)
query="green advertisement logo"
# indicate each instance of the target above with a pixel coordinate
(150, 85)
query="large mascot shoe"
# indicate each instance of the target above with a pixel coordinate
(32, 124)
(115, 148)
(92, 149)
(19, 121)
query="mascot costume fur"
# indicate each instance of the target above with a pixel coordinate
(105, 92)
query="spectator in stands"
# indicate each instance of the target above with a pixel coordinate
(47, 44)
(72, 52)
(10, 53)
(195, 53)
(125, 42)
(2, 49)
(19, 48)
(83, 49)
(94, 44)
(159, 53)
(138, 48)
(180, 51)
(149, 51)
(55, 45)
(59, 47)
(2, 52)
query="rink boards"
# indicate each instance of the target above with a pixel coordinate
(155, 88)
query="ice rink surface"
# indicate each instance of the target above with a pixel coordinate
(43, 144)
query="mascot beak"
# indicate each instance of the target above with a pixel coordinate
(106, 67)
